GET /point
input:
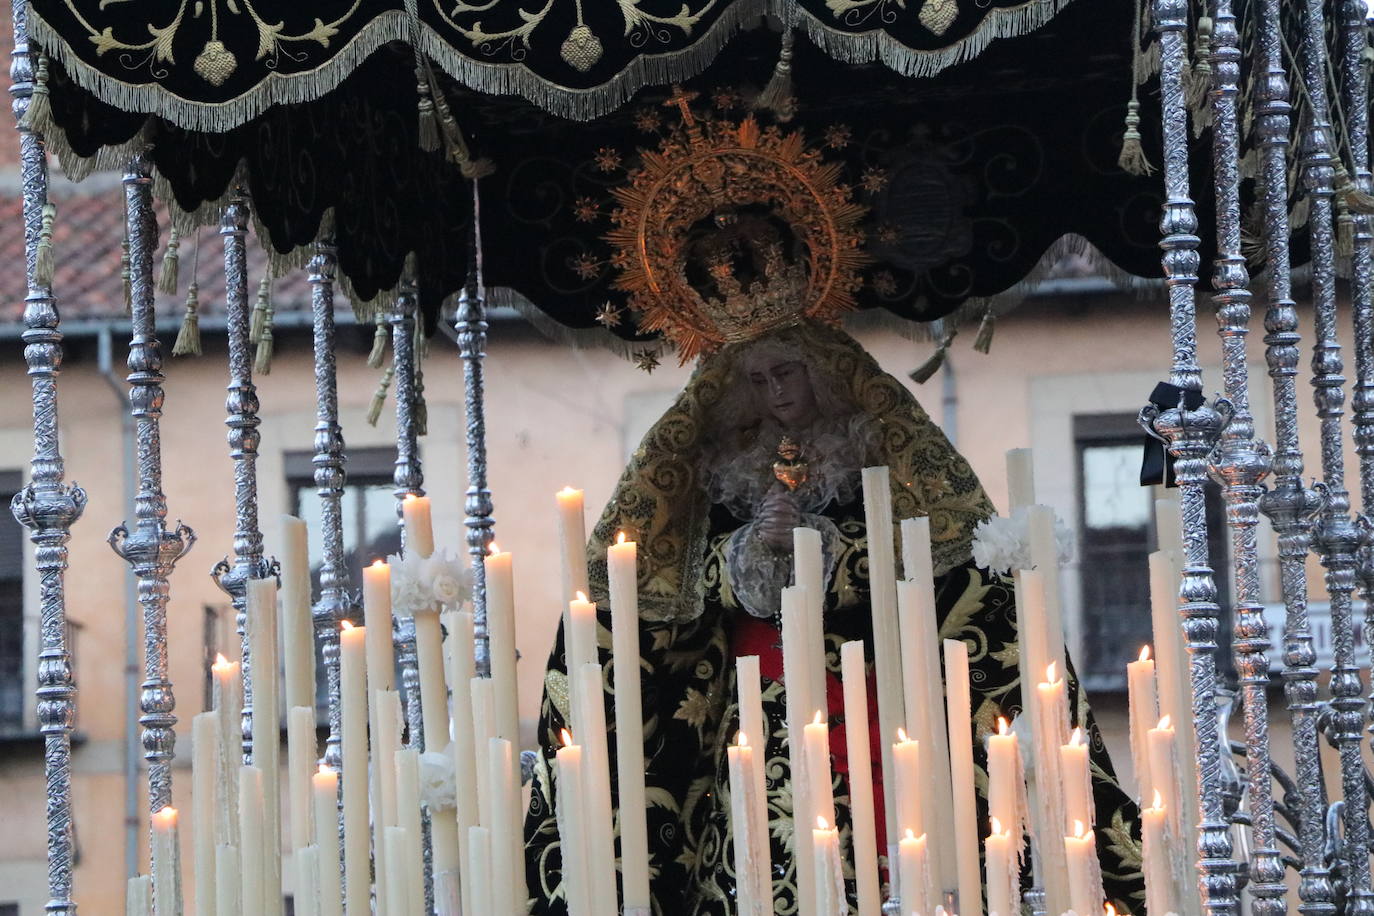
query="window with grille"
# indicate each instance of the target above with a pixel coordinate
(370, 523)
(14, 678)
(1117, 533)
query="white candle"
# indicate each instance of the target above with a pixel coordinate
(854, 676)
(882, 583)
(579, 642)
(596, 784)
(1168, 526)
(797, 681)
(253, 848)
(386, 740)
(909, 785)
(1021, 489)
(397, 887)
(1144, 712)
(479, 869)
(960, 714)
(324, 790)
(353, 712)
(1044, 554)
(830, 894)
(749, 685)
(1161, 741)
(1050, 731)
(501, 644)
(1084, 873)
(429, 656)
(138, 896)
(416, 521)
(479, 691)
(1159, 872)
(1173, 680)
(1006, 789)
(301, 753)
(1004, 885)
(572, 828)
(228, 714)
(1078, 786)
(506, 876)
(204, 780)
(572, 539)
(297, 625)
(623, 582)
(816, 736)
(809, 562)
(1033, 624)
(227, 882)
(408, 819)
(166, 863)
(461, 670)
(747, 817)
(381, 653)
(913, 874)
(307, 896)
(262, 633)
(925, 697)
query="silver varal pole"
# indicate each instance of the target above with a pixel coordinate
(149, 547)
(47, 506)
(334, 604)
(1335, 536)
(1240, 462)
(242, 420)
(1287, 503)
(471, 326)
(1190, 434)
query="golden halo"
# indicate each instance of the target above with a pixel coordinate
(705, 173)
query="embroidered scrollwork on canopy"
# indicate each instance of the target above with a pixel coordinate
(214, 64)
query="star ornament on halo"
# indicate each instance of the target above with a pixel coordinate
(646, 360)
(609, 315)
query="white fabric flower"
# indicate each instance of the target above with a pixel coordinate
(438, 788)
(409, 590)
(447, 579)
(1003, 544)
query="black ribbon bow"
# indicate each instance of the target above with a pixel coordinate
(1157, 465)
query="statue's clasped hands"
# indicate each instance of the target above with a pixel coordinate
(778, 514)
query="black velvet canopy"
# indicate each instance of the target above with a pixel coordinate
(975, 152)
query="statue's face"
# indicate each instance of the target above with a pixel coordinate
(782, 388)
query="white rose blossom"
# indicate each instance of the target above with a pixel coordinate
(438, 788)
(1003, 544)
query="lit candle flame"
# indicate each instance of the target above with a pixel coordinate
(567, 738)
(1110, 910)
(741, 739)
(566, 491)
(910, 834)
(1144, 657)
(620, 538)
(816, 719)
(1076, 739)
(1050, 672)
(220, 660)
(1163, 722)
(822, 824)
(345, 624)
(325, 770)
(996, 827)
(901, 736)
(410, 497)
(1079, 831)
(582, 596)
(379, 563)
(1159, 800)
(168, 814)
(492, 549)
(1001, 725)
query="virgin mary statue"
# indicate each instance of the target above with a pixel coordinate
(714, 525)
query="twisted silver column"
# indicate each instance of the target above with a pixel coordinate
(1190, 435)
(242, 405)
(1240, 462)
(1288, 504)
(1335, 536)
(149, 548)
(335, 603)
(409, 480)
(48, 506)
(471, 325)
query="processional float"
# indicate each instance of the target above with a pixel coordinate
(207, 106)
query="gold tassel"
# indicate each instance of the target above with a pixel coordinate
(1297, 217)
(167, 277)
(1345, 231)
(188, 338)
(260, 308)
(43, 259)
(1132, 159)
(777, 96)
(983, 342)
(1349, 193)
(126, 274)
(421, 411)
(374, 410)
(455, 146)
(262, 360)
(429, 122)
(922, 373)
(39, 111)
(1201, 83)
(378, 353)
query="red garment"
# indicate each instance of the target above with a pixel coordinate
(754, 636)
